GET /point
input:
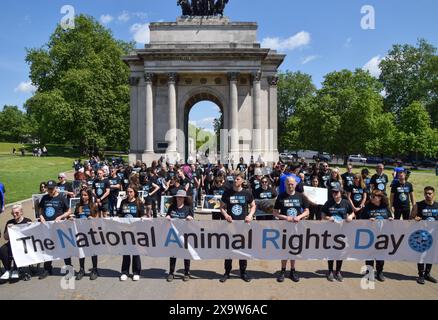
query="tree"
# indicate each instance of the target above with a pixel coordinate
(410, 74)
(416, 134)
(83, 92)
(292, 87)
(13, 124)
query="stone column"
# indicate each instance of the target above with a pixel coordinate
(273, 122)
(141, 116)
(149, 77)
(172, 78)
(257, 105)
(133, 82)
(234, 115)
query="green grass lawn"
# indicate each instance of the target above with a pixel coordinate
(22, 175)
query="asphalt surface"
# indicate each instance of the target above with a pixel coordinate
(400, 283)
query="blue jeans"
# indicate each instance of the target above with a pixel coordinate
(195, 198)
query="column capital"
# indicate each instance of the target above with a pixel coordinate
(273, 81)
(172, 77)
(149, 77)
(133, 81)
(233, 76)
(256, 76)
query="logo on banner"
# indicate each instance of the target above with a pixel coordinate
(292, 212)
(237, 210)
(421, 241)
(50, 212)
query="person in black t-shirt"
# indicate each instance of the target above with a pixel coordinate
(131, 207)
(357, 194)
(86, 209)
(314, 209)
(426, 210)
(324, 175)
(242, 167)
(115, 186)
(218, 188)
(64, 186)
(348, 177)
(149, 191)
(234, 206)
(402, 195)
(291, 206)
(101, 190)
(6, 251)
(377, 209)
(379, 180)
(181, 208)
(337, 209)
(53, 207)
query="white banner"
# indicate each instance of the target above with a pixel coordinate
(270, 240)
(316, 195)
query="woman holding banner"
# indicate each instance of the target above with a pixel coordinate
(86, 209)
(181, 208)
(218, 188)
(131, 207)
(290, 206)
(314, 209)
(265, 192)
(377, 209)
(337, 209)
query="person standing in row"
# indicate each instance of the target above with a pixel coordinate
(357, 194)
(101, 190)
(290, 206)
(402, 195)
(426, 210)
(115, 186)
(380, 179)
(234, 206)
(181, 208)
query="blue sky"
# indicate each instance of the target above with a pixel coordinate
(318, 36)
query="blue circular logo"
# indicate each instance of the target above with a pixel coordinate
(381, 186)
(421, 241)
(99, 191)
(292, 212)
(357, 197)
(237, 210)
(337, 218)
(50, 212)
(403, 197)
(380, 217)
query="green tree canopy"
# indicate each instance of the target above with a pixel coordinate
(14, 126)
(83, 92)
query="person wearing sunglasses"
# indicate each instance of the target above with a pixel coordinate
(375, 210)
(426, 210)
(337, 209)
(265, 192)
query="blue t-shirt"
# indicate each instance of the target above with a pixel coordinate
(2, 195)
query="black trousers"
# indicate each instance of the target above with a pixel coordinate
(6, 256)
(424, 269)
(402, 212)
(379, 264)
(93, 261)
(315, 212)
(136, 265)
(338, 265)
(229, 265)
(217, 216)
(48, 265)
(173, 264)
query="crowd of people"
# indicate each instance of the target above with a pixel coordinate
(350, 196)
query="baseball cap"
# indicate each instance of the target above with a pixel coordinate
(51, 184)
(336, 189)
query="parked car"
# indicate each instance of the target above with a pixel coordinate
(427, 163)
(288, 157)
(357, 158)
(322, 157)
(374, 160)
(389, 161)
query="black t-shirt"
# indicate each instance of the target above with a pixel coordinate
(174, 190)
(348, 179)
(12, 221)
(84, 212)
(377, 212)
(255, 184)
(401, 194)
(147, 189)
(90, 183)
(170, 175)
(291, 205)
(324, 178)
(379, 182)
(53, 207)
(237, 203)
(242, 167)
(65, 187)
(341, 210)
(426, 211)
(114, 181)
(331, 184)
(260, 193)
(100, 187)
(357, 194)
(218, 191)
(180, 213)
(131, 209)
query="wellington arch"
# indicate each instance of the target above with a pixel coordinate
(203, 58)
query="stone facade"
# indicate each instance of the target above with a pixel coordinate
(196, 59)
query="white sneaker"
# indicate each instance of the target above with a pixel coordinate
(136, 277)
(6, 275)
(123, 277)
(15, 275)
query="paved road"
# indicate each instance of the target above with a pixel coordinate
(205, 284)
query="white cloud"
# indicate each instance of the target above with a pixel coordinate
(309, 59)
(140, 15)
(347, 43)
(373, 66)
(124, 17)
(25, 87)
(141, 32)
(106, 18)
(296, 41)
